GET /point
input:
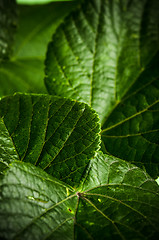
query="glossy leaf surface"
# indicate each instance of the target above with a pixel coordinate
(57, 134)
(115, 200)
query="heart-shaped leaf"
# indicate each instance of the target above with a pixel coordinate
(115, 200)
(106, 54)
(59, 135)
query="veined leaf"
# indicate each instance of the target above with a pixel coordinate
(35, 206)
(106, 54)
(7, 148)
(57, 134)
(8, 22)
(24, 72)
(131, 131)
(116, 200)
(101, 49)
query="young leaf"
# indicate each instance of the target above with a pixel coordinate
(24, 72)
(116, 200)
(8, 22)
(106, 54)
(57, 134)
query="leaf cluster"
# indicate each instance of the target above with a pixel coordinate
(79, 141)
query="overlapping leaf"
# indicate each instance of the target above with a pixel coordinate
(57, 134)
(24, 72)
(8, 22)
(106, 54)
(116, 200)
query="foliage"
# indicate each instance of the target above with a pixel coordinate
(79, 162)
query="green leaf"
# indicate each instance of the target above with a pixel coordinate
(7, 148)
(116, 200)
(33, 205)
(57, 134)
(101, 49)
(8, 22)
(106, 54)
(24, 72)
(131, 131)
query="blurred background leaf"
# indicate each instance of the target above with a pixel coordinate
(8, 23)
(40, 1)
(24, 72)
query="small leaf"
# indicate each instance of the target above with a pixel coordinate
(8, 22)
(57, 134)
(116, 200)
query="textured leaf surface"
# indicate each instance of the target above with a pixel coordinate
(57, 134)
(101, 49)
(131, 131)
(116, 201)
(106, 54)
(7, 148)
(8, 22)
(120, 202)
(35, 206)
(25, 71)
